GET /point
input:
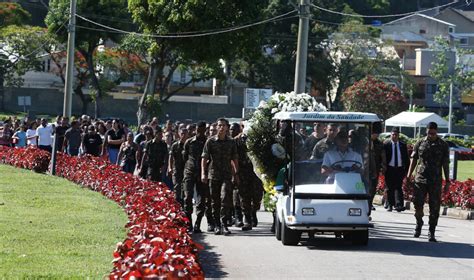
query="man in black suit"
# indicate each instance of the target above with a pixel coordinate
(397, 167)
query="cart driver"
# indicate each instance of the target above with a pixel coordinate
(340, 159)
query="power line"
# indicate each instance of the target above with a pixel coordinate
(120, 32)
(40, 48)
(380, 16)
(183, 35)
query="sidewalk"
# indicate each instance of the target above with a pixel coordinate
(456, 213)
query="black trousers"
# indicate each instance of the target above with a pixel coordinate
(394, 180)
(46, 148)
(203, 203)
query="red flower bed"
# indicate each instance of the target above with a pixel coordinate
(460, 194)
(29, 158)
(157, 245)
(465, 155)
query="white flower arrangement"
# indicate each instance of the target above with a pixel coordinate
(292, 102)
(261, 134)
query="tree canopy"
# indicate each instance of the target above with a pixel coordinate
(201, 56)
(20, 49)
(13, 14)
(459, 75)
(88, 36)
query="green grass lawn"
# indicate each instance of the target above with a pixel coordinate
(51, 228)
(465, 170)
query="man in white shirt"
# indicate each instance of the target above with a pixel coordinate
(45, 133)
(347, 158)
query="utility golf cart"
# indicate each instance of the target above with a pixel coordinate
(312, 201)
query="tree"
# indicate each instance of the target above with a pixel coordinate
(81, 73)
(374, 96)
(13, 14)
(200, 56)
(19, 49)
(356, 52)
(276, 65)
(88, 36)
(459, 75)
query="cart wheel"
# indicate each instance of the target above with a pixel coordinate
(348, 235)
(289, 236)
(360, 237)
(277, 227)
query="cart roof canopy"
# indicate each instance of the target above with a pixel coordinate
(327, 117)
(415, 119)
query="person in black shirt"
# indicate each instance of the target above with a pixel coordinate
(72, 139)
(60, 131)
(91, 142)
(127, 156)
(115, 138)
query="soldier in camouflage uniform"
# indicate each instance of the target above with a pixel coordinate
(432, 155)
(154, 156)
(220, 154)
(257, 195)
(326, 143)
(245, 186)
(192, 151)
(176, 163)
(377, 162)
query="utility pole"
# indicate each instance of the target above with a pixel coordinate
(302, 51)
(67, 106)
(450, 107)
(403, 81)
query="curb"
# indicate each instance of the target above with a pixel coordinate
(456, 213)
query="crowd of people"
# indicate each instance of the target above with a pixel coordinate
(205, 164)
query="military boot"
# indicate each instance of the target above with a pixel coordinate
(225, 230)
(218, 230)
(431, 234)
(248, 223)
(254, 219)
(210, 224)
(419, 225)
(272, 229)
(190, 226)
(238, 217)
(197, 225)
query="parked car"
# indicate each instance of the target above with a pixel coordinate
(453, 135)
(455, 147)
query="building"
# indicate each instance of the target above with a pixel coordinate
(463, 32)
(412, 37)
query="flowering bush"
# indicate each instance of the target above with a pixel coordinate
(262, 134)
(460, 194)
(374, 96)
(157, 244)
(29, 158)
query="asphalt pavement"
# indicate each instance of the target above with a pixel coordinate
(392, 252)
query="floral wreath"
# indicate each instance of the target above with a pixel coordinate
(262, 136)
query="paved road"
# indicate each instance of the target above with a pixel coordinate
(392, 252)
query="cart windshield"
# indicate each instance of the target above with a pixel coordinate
(320, 150)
